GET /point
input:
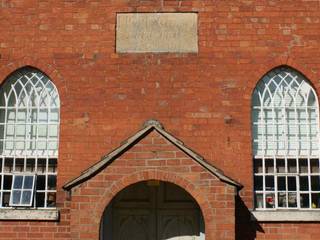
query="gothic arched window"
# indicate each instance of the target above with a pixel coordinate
(285, 132)
(29, 139)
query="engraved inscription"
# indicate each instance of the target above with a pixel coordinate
(157, 32)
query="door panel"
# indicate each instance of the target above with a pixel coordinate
(163, 212)
(133, 225)
(178, 225)
(173, 197)
(138, 195)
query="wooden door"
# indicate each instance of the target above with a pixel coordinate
(160, 211)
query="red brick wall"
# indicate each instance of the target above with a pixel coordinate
(106, 96)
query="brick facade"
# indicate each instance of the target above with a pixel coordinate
(106, 96)
(154, 158)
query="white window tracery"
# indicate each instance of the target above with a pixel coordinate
(29, 135)
(285, 127)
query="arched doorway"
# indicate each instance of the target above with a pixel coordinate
(152, 210)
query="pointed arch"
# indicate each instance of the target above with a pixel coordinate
(285, 140)
(29, 134)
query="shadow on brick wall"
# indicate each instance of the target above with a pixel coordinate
(245, 228)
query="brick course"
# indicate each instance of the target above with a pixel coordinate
(106, 96)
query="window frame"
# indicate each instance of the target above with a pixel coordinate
(274, 157)
(22, 189)
(41, 96)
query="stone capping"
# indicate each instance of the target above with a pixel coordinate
(148, 126)
(285, 216)
(30, 214)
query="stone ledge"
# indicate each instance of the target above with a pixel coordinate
(286, 216)
(29, 214)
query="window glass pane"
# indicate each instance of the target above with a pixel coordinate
(269, 183)
(53, 131)
(304, 183)
(292, 199)
(280, 165)
(258, 183)
(41, 182)
(28, 182)
(269, 165)
(52, 145)
(20, 131)
(10, 131)
(42, 131)
(41, 145)
(304, 200)
(54, 115)
(259, 200)
(52, 165)
(5, 199)
(315, 183)
(282, 199)
(292, 165)
(40, 199)
(270, 200)
(30, 165)
(43, 115)
(315, 200)
(7, 184)
(51, 199)
(41, 165)
(16, 195)
(292, 185)
(52, 182)
(20, 145)
(1, 144)
(9, 146)
(19, 166)
(303, 165)
(2, 115)
(26, 197)
(17, 182)
(8, 165)
(282, 183)
(258, 165)
(314, 165)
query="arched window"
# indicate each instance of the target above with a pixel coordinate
(29, 139)
(285, 127)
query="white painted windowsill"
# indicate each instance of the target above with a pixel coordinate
(29, 214)
(285, 216)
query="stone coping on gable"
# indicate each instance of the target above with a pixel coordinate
(149, 126)
(286, 216)
(30, 214)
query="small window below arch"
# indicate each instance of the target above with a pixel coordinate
(285, 130)
(29, 139)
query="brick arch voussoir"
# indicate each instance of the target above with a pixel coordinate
(144, 175)
(279, 61)
(47, 68)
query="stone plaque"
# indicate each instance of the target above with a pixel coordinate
(157, 32)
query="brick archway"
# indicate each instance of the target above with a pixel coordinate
(145, 175)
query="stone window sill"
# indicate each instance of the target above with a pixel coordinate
(286, 216)
(30, 214)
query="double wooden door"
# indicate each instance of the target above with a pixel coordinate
(154, 211)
